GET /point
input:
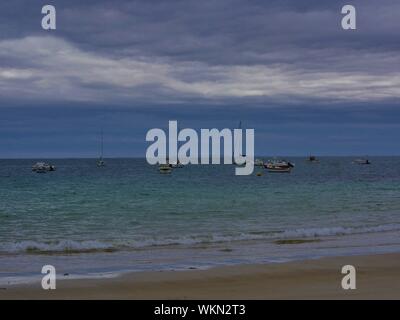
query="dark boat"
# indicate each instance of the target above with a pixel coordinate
(312, 159)
(362, 161)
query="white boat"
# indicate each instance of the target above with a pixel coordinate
(42, 167)
(275, 169)
(361, 161)
(282, 166)
(240, 164)
(258, 163)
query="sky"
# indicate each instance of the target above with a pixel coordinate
(285, 68)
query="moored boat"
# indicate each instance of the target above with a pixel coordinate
(101, 162)
(176, 165)
(42, 167)
(277, 169)
(279, 166)
(312, 159)
(361, 161)
(165, 168)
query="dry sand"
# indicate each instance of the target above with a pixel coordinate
(378, 277)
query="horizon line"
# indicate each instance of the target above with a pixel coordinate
(141, 157)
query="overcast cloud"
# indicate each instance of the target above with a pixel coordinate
(135, 52)
(283, 67)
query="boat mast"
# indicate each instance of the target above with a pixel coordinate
(102, 147)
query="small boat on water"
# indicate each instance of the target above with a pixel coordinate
(42, 167)
(101, 162)
(275, 169)
(361, 161)
(165, 168)
(176, 165)
(312, 159)
(243, 164)
(279, 166)
(240, 164)
(258, 163)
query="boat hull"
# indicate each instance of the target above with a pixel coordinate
(279, 170)
(279, 166)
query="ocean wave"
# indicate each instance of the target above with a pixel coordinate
(88, 246)
(336, 231)
(66, 246)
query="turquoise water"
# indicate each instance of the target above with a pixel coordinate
(127, 216)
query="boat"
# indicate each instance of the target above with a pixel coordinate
(361, 161)
(312, 159)
(165, 168)
(258, 163)
(240, 164)
(176, 165)
(243, 164)
(42, 167)
(101, 162)
(279, 166)
(276, 169)
(40, 170)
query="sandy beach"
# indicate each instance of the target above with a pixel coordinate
(378, 277)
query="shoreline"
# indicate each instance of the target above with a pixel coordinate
(25, 269)
(377, 276)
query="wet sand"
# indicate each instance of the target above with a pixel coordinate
(378, 277)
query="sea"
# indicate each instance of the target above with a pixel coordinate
(90, 221)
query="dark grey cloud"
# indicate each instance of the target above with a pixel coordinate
(133, 52)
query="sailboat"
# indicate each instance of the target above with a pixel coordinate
(101, 162)
(242, 155)
(177, 164)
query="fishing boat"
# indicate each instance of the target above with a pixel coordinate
(282, 166)
(312, 159)
(101, 162)
(361, 161)
(42, 167)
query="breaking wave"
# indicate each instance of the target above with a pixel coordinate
(66, 246)
(337, 231)
(73, 247)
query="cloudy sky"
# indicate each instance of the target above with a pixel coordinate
(285, 68)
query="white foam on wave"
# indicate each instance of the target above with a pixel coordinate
(72, 246)
(336, 231)
(54, 246)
